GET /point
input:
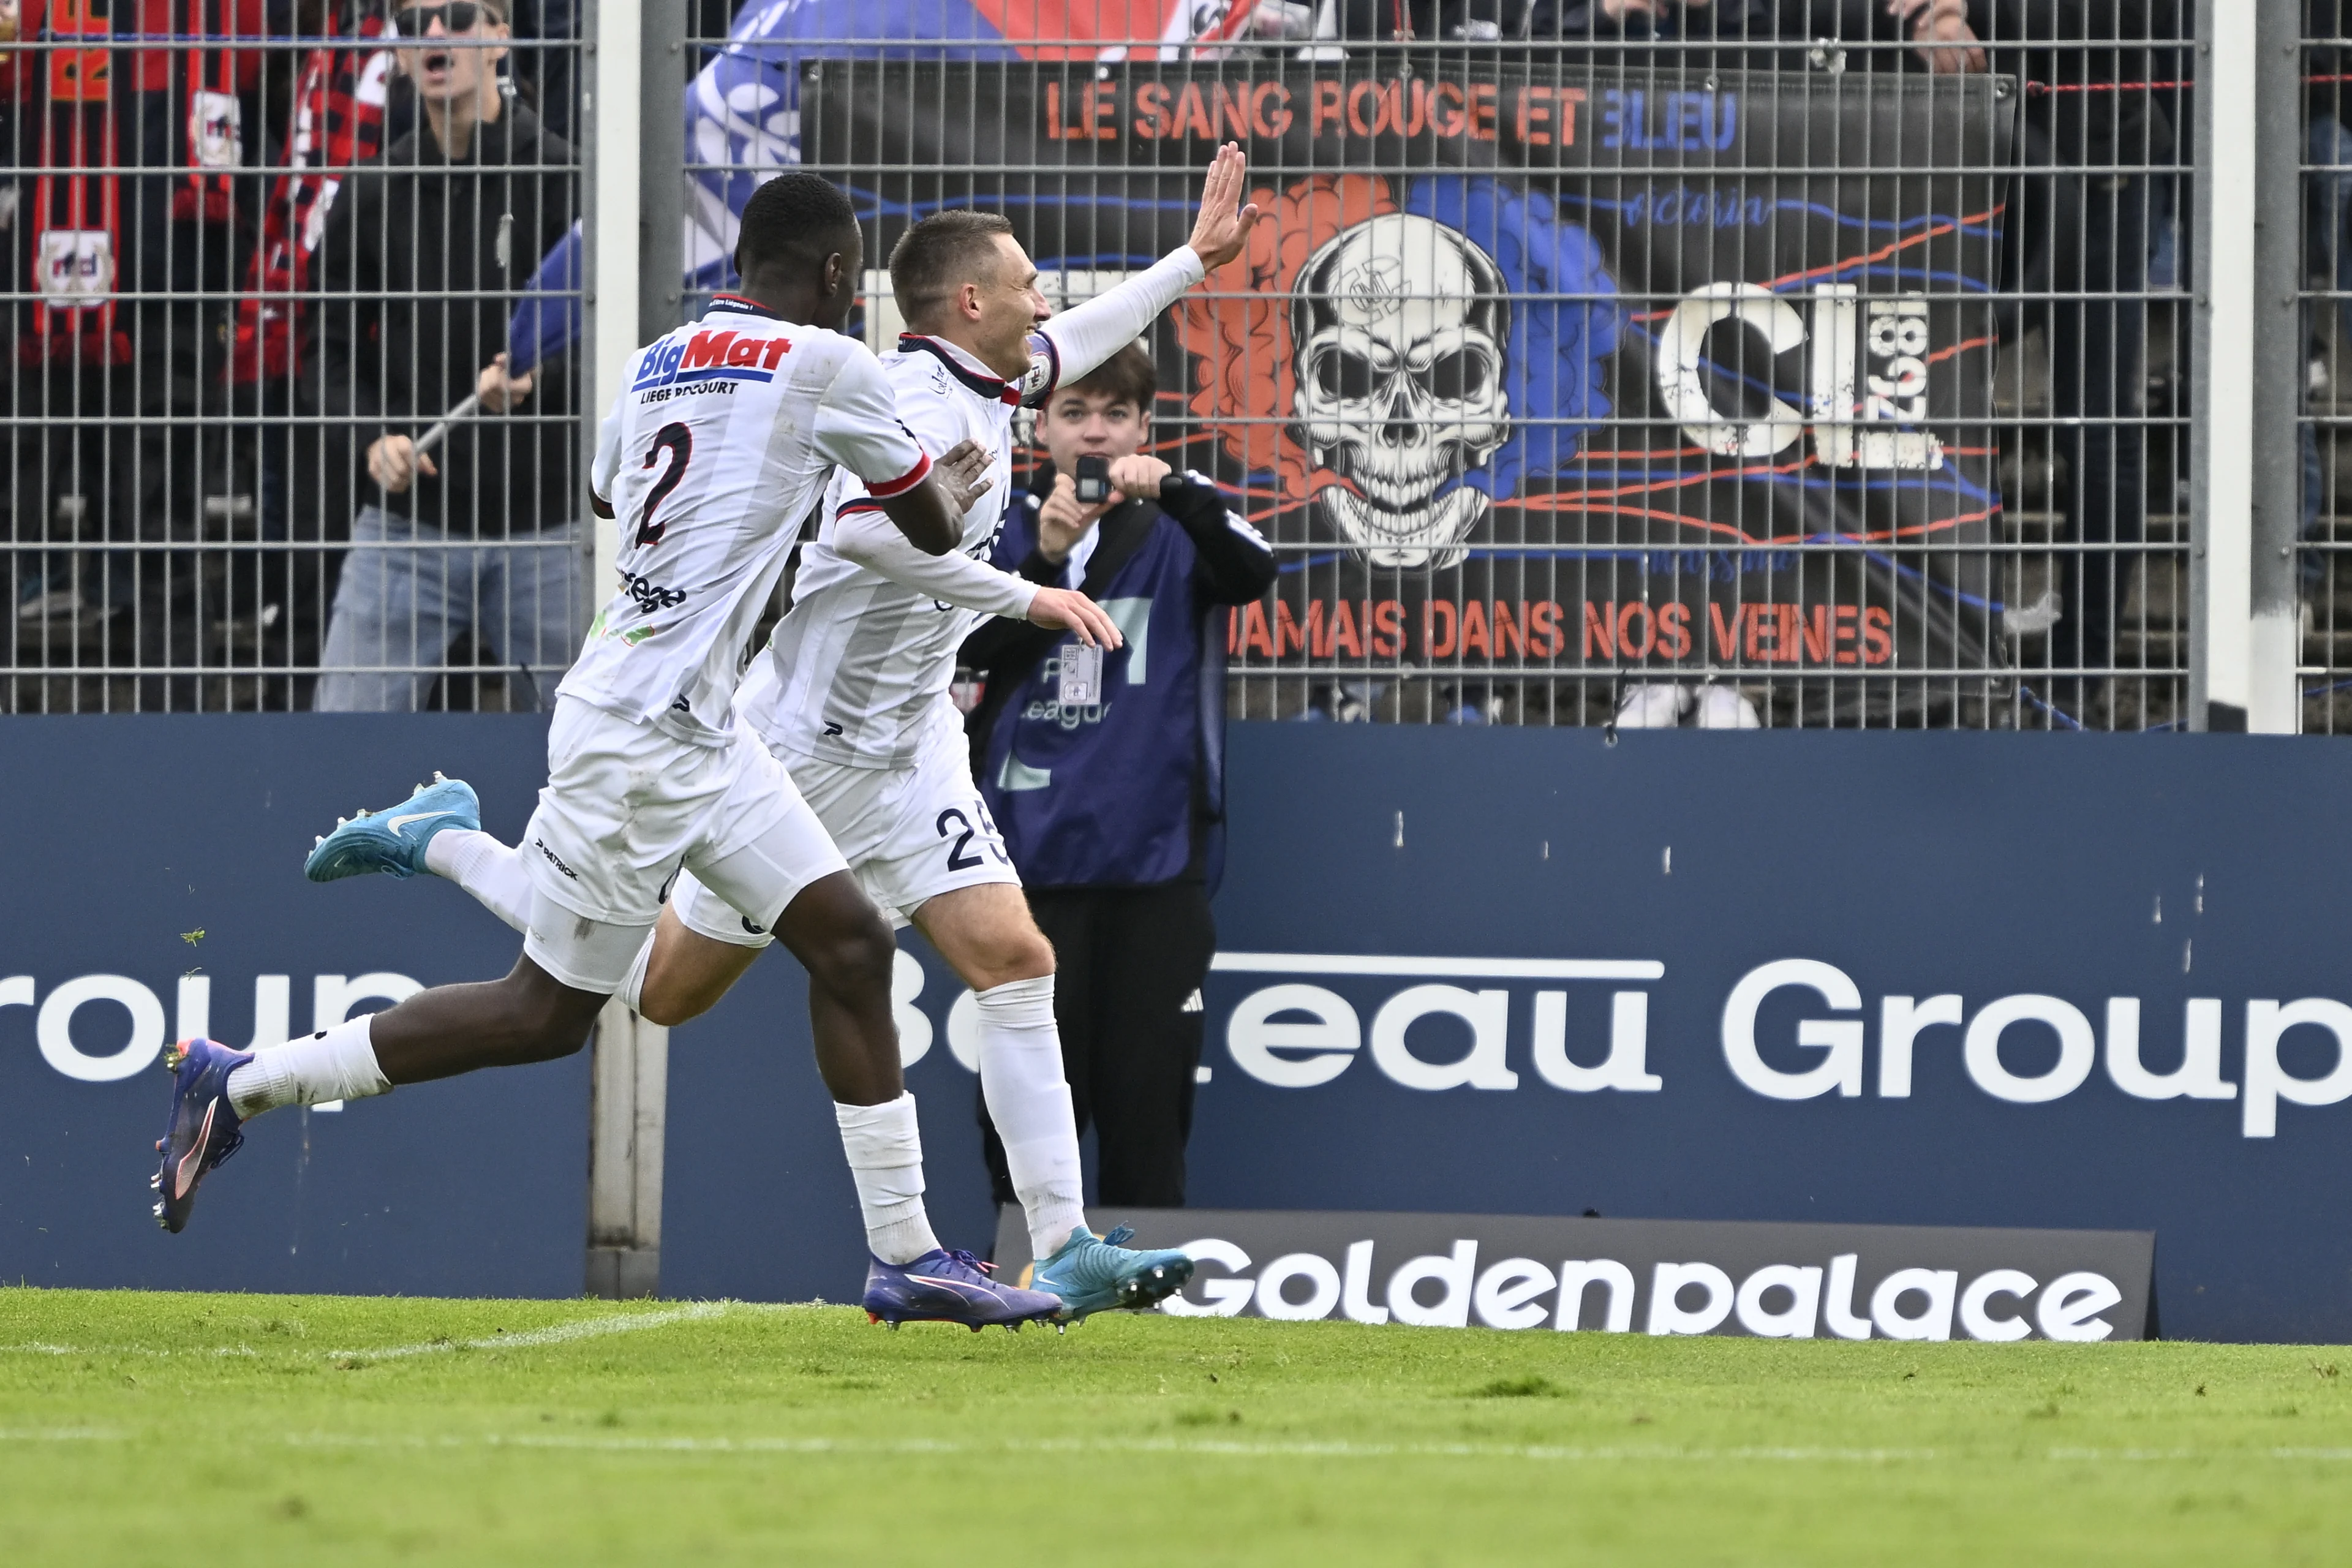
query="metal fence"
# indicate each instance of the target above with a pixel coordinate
(1794, 364)
(256, 256)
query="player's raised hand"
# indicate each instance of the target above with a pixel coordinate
(962, 474)
(1064, 610)
(1224, 224)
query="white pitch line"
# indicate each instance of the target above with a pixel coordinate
(554, 1334)
(1205, 1448)
(37, 1349)
(559, 1333)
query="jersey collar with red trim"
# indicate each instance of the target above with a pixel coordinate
(961, 366)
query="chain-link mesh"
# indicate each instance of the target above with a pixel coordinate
(2323, 570)
(1809, 364)
(1812, 364)
(256, 257)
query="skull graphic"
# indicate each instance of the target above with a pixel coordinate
(1400, 323)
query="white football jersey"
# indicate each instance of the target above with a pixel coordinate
(712, 457)
(858, 669)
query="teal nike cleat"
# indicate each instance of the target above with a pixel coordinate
(1094, 1273)
(393, 841)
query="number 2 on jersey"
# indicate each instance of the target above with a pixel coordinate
(679, 442)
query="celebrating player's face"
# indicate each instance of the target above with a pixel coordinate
(1010, 308)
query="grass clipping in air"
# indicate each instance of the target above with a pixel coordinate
(188, 1429)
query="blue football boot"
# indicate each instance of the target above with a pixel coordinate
(1093, 1273)
(203, 1131)
(943, 1286)
(393, 841)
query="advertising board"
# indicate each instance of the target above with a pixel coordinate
(2008, 983)
(1655, 1276)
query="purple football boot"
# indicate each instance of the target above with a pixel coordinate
(944, 1287)
(203, 1128)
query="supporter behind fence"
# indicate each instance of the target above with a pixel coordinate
(473, 538)
(1105, 772)
(2002, 544)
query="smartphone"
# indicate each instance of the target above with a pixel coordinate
(1093, 479)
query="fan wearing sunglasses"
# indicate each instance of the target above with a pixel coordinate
(435, 242)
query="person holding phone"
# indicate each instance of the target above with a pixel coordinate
(1103, 767)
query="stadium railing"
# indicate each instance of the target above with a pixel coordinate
(184, 457)
(1778, 379)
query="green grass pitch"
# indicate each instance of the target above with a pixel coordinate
(189, 1430)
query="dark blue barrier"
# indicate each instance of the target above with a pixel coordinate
(2083, 868)
(126, 833)
(2030, 876)
(2080, 869)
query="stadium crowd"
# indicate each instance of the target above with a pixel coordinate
(190, 454)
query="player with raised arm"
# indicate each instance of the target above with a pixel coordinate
(852, 694)
(726, 435)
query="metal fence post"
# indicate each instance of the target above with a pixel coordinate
(636, 258)
(661, 148)
(614, 176)
(627, 1115)
(2246, 459)
(2274, 692)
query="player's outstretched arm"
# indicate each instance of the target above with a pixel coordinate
(930, 515)
(859, 534)
(857, 426)
(930, 521)
(1067, 610)
(1086, 335)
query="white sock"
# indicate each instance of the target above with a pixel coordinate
(633, 985)
(886, 1157)
(493, 872)
(333, 1064)
(1029, 1100)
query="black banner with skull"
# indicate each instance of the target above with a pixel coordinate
(1536, 369)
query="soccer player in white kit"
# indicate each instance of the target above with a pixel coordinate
(852, 695)
(726, 435)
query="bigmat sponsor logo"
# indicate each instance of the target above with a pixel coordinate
(1655, 1276)
(711, 355)
(1792, 1030)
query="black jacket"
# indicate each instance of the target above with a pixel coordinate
(1582, 32)
(420, 222)
(1230, 571)
(1124, 812)
(2096, 54)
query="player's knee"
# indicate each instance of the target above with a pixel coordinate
(542, 1020)
(1031, 957)
(1012, 955)
(670, 998)
(856, 958)
(544, 1033)
(657, 1006)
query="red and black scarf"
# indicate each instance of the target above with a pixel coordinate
(337, 124)
(212, 135)
(77, 214)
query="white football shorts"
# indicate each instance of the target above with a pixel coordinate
(627, 810)
(909, 834)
